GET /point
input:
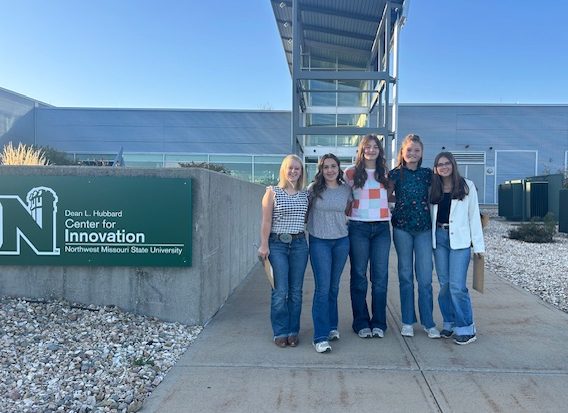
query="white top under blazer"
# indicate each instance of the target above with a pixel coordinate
(465, 222)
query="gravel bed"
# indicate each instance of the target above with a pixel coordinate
(57, 356)
(541, 269)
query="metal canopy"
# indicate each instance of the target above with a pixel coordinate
(343, 58)
(335, 29)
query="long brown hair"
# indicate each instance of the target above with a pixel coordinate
(380, 164)
(408, 139)
(319, 180)
(459, 187)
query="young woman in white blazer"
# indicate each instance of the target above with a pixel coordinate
(456, 226)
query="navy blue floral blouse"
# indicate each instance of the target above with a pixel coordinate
(411, 210)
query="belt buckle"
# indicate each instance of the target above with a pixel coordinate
(286, 238)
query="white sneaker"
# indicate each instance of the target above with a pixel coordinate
(365, 333)
(322, 347)
(407, 330)
(432, 332)
(333, 335)
(377, 332)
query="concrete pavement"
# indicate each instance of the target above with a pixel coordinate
(518, 364)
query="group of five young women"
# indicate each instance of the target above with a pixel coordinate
(347, 214)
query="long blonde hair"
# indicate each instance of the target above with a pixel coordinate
(283, 182)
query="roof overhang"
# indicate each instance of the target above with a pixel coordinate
(337, 30)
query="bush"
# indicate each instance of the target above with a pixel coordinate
(22, 155)
(534, 231)
(205, 165)
(55, 157)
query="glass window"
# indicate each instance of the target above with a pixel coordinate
(321, 64)
(320, 140)
(143, 160)
(353, 96)
(268, 159)
(267, 174)
(94, 156)
(239, 165)
(348, 140)
(230, 158)
(359, 120)
(320, 119)
(173, 160)
(240, 170)
(355, 99)
(95, 159)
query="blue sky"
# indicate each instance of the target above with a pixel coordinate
(227, 55)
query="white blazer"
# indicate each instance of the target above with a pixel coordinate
(465, 222)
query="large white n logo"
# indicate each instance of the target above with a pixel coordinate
(33, 221)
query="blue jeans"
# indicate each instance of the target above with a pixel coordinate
(454, 300)
(369, 242)
(414, 251)
(328, 257)
(289, 265)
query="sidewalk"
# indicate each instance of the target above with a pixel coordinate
(518, 364)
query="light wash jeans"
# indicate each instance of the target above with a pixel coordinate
(327, 257)
(454, 300)
(370, 242)
(289, 265)
(414, 251)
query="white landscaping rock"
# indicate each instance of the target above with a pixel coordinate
(55, 356)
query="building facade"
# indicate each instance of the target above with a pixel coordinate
(492, 143)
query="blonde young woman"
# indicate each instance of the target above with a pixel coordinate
(283, 242)
(456, 226)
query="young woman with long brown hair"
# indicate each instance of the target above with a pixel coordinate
(369, 237)
(456, 226)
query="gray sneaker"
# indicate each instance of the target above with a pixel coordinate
(322, 347)
(407, 330)
(377, 332)
(432, 332)
(333, 335)
(365, 333)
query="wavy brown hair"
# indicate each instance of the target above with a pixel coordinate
(459, 187)
(319, 180)
(380, 164)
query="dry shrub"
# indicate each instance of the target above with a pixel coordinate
(22, 155)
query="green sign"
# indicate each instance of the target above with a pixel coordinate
(95, 220)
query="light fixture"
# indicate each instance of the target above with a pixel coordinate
(286, 24)
(290, 41)
(282, 4)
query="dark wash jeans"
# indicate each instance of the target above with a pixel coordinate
(369, 242)
(327, 257)
(288, 262)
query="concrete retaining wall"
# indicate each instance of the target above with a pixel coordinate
(226, 224)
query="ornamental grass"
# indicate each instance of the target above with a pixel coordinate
(22, 155)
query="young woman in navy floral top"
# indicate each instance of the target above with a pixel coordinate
(412, 235)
